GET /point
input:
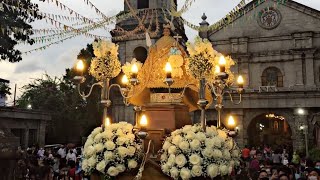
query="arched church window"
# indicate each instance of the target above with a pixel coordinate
(143, 4)
(272, 76)
(140, 53)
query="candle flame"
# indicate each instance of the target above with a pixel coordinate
(143, 121)
(231, 121)
(124, 80)
(222, 61)
(107, 122)
(168, 67)
(217, 69)
(240, 80)
(80, 65)
(134, 68)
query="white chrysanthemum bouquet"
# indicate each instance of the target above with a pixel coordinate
(191, 152)
(203, 60)
(111, 151)
(200, 63)
(106, 64)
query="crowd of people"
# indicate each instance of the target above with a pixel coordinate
(258, 163)
(264, 163)
(36, 163)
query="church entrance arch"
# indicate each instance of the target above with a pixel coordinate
(269, 129)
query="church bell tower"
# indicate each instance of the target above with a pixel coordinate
(150, 16)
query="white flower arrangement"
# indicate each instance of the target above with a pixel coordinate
(126, 68)
(106, 64)
(203, 60)
(191, 152)
(111, 151)
(200, 63)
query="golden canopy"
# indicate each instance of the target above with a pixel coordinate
(152, 76)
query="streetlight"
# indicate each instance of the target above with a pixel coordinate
(300, 111)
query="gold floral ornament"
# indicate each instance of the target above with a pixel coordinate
(176, 61)
(126, 68)
(201, 61)
(106, 64)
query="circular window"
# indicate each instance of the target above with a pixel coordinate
(269, 18)
(141, 54)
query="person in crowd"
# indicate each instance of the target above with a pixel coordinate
(71, 156)
(40, 153)
(254, 164)
(253, 152)
(295, 158)
(263, 175)
(21, 170)
(317, 165)
(62, 152)
(75, 151)
(245, 153)
(55, 167)
(276, 158)
(72, 173)
(284, 177)
(313, 174)
(274, 173)
(285, 161)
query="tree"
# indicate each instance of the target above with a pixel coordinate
(4, 89)
(15, 17)
(71, 116)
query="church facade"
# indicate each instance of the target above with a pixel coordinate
(277, 49)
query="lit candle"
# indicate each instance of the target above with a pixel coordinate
(222, 64)
(217, 69)
(134, 71)
(240, 81)
(124, 81)
(231, 122)
(107, 122)
(143, 122)
(80, 67)
(168, 70)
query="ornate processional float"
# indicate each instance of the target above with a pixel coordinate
(169, 85)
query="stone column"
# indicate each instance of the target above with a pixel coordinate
(298, 137)
(26, 138)
(310, 69)
(240, 139)
(298, 68)
(42, 133)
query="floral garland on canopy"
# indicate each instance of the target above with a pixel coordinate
(111, 151)
(191, 152)
(106, 64)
